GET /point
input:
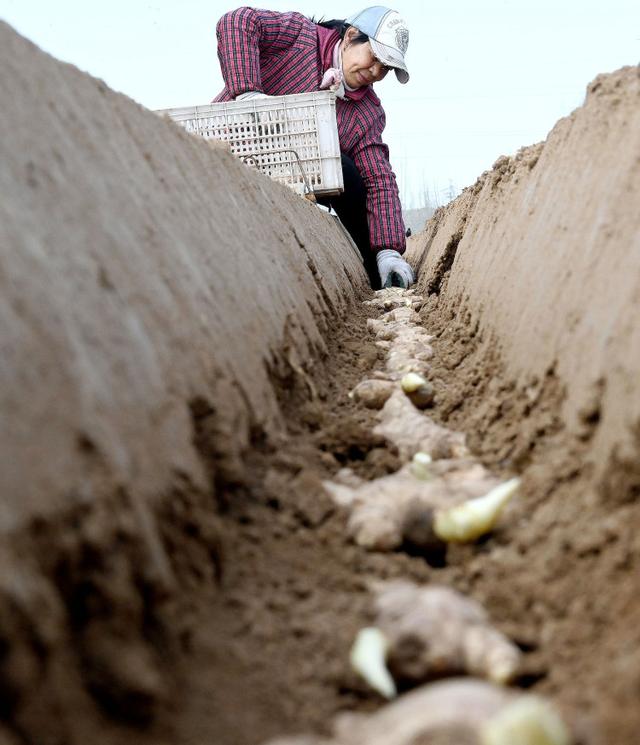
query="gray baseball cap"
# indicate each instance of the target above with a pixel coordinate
(388, 35)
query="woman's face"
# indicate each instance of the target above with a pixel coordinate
(359, 66)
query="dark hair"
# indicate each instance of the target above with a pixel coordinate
(342, 26)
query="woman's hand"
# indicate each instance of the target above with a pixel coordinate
(248, 95)
(393, 269)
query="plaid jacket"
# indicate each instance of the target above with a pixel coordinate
(282, 53)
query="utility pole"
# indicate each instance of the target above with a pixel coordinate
(449, 192)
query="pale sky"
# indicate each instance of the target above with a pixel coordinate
(486, 77)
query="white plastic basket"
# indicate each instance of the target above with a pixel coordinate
(293, 139)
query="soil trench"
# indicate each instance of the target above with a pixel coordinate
(255, 643)
(294, 591)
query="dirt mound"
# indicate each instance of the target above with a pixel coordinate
(533, 277)
(543, 254)
(123, 238)
(155, 294)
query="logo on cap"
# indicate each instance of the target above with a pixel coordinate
(402, 38)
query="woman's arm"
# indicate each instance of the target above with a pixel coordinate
(244, 35)
(371, 156)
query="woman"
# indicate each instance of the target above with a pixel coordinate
(262, 52)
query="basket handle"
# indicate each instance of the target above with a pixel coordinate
(308, 191)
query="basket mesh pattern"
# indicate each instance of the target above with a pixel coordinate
(292, 139)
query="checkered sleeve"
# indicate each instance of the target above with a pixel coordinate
(371, 156)
(244, 35)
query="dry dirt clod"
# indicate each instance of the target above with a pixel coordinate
(124, 676)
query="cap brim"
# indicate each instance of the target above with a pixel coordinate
(390, 57)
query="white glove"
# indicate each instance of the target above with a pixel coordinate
(393, 269)
(251, 94)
